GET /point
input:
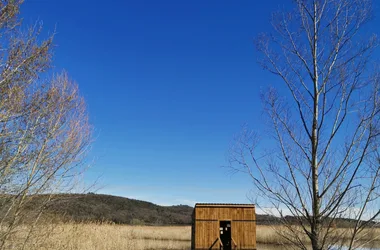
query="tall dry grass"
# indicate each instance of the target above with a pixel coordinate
(272, 234)
(75, 236)
(80, 236)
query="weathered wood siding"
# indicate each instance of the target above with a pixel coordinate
(206, 233)
(206, 225)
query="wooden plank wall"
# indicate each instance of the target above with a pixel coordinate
(207, 226)
(220, 213)
(206, 233)
(244, 234)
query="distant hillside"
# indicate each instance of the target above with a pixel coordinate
(99, 207)
(107, 208)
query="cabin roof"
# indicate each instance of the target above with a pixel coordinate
(223, 205)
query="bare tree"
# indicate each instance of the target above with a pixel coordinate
(324, 163)
(44, 126)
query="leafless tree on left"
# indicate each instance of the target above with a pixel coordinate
(45, 132)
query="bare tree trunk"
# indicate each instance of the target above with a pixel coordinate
(316, 223)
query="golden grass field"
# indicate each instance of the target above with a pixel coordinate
(74, 236)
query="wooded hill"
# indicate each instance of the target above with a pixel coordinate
(107, 208)
(120, 210)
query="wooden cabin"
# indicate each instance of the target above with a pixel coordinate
(223, 226)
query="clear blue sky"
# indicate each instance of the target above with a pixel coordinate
(168, 84)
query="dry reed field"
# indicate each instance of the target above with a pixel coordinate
(109, 237)
(270, 235)
(74, 236)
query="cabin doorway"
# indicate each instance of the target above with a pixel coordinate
(225, 234)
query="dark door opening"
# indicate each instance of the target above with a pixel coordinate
(225, 234)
